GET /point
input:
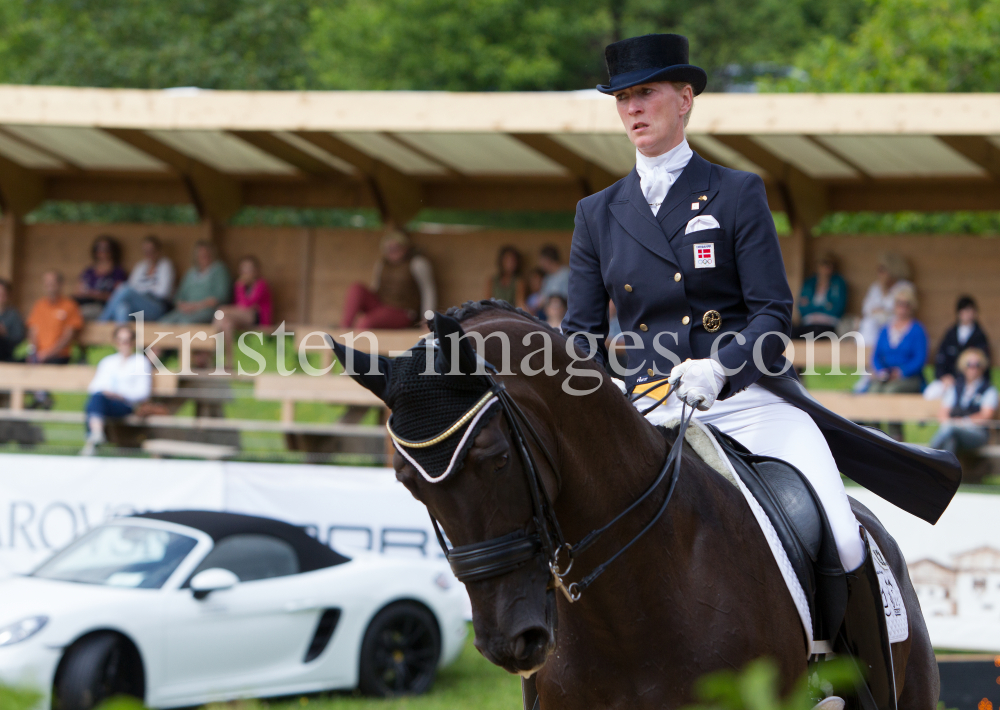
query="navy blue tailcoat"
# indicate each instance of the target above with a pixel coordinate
(721, 291)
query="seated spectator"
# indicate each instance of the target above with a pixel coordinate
(53, 323)
(402, 289)
(966, 333)
(11, 324)
(877, 309)
(507, 284)
(556, 281)
(967, 405)
(533, 301)
(251, 305)
(148, 287)
(205, 287)
(99, 280)
(823, 299)
(122, 381)
(901, 349)
(555, 311)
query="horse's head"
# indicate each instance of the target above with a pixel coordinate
(459, 454)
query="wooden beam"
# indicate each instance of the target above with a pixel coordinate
(286, 152)
(21, 190)
(977, 149)
(930, 195)
(805, 198)
(397, 196)
(165, 189)
(593, 178)
(216, 196)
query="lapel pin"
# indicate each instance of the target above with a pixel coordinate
(703, 198)
(695, 205)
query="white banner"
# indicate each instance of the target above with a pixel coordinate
(47, 500)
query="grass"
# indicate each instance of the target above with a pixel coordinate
(470, 682)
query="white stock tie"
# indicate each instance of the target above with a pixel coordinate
(658, 174)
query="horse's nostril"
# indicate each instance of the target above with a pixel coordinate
(528, 643)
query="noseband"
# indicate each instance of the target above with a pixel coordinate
(492, 558)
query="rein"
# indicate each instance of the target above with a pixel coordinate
(491, 558)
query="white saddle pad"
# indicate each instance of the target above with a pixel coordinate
(706, 446)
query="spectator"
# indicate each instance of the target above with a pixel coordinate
(53, 323)
(123, 380)
(533, 302)
(205, 287)
(251, 305)
(507, 284)
(823, 299)
(556, 281)
(555, 310)
(11, 324)
(966, 333)
(99, 280)
(967, 405)
(901, 349)
(148, 288)
(893, 275)
(402, 289)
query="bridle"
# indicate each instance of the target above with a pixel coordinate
(500, 555)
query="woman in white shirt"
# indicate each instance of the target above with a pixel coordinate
(148, 288)
(122, 381)
(876, 310)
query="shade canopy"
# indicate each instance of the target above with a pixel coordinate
(399, 152)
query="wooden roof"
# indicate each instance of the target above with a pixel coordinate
(400, 151)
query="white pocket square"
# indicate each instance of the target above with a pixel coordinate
(702, 221)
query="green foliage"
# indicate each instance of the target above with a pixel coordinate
(18, 698)
(757, 687)
(907, 45)
(459, 45)
(215, 44)
(984, 223)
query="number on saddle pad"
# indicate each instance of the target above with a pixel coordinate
(892, 599)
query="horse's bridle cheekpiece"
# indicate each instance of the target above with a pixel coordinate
(473, 397)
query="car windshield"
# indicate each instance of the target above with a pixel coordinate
(120, 556)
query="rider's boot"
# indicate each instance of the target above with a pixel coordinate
(865, 637)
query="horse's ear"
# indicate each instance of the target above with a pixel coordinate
(447, 331)
(370, 372)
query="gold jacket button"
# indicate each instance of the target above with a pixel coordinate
(685, 320)
(642, 327)
(628, 288)
(650, 372)
(677, 276)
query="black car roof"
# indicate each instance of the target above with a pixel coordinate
(311, 552)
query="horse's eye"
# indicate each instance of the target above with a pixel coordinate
(501, 462)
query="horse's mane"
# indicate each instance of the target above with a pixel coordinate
(471, 309)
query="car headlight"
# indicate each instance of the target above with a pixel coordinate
(21, 630)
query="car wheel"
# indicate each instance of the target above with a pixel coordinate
(96, 668)
(400, 651)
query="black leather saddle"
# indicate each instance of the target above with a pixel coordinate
(793, 507)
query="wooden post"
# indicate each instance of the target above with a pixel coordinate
(11, 229)
(308, 241)
(287, 411)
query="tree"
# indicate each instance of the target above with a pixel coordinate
(908, 45)
(216, 44)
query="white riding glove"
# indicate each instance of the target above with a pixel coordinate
(698, 382)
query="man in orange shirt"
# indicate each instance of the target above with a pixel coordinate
(53, 323)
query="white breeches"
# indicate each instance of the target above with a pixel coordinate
(769, 426)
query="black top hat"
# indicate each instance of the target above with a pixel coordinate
(640, 60)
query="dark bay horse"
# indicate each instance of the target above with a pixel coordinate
(698, 593)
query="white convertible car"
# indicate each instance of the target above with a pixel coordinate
(189, 607)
